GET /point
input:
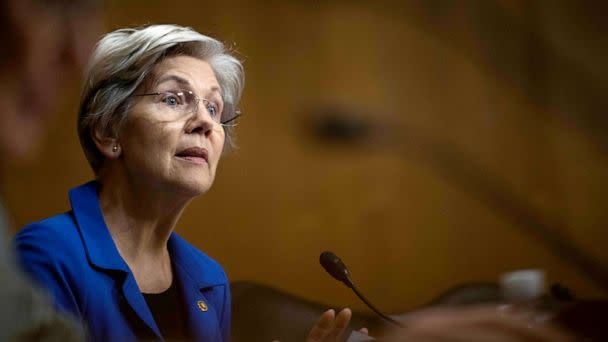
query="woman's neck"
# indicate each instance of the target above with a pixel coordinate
(140, 218)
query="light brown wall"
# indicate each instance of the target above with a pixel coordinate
(406, 225)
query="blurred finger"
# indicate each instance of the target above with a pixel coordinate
(340, 324)
(323, 327)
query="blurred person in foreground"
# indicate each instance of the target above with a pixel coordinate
(158, 109)
(44, 44)
(478, 323)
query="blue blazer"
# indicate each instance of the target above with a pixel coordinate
(74, 257)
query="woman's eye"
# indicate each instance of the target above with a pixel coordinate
(212, 109)
(171, 100)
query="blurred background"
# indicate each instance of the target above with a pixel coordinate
(428, 143)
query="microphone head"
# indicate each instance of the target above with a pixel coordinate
(335, 267)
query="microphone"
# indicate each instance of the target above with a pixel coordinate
(336, 268)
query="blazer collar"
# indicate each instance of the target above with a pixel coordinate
(102, 251)
(98, 242)
(200, 271)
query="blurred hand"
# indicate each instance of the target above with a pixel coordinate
(329, 327)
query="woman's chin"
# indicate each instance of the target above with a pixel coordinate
(194, 188)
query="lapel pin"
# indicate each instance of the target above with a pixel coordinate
(202, 305)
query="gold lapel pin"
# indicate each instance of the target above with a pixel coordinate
(202, 305)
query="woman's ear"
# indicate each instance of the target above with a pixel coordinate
(108, 146)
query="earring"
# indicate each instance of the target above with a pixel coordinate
(114, 148)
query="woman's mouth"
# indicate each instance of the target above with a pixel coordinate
(197, 155)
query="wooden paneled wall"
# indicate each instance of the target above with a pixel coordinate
(458, 94)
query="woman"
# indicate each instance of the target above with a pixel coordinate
(158, 108)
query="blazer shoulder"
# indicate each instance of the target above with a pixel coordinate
(57, 235)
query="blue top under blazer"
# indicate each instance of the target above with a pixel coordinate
(73, 256)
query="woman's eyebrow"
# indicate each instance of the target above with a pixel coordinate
(184, 82)
(177, 79)
(216, 89)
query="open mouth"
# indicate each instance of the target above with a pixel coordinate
(194, 154)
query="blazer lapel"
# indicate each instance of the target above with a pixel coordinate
(102, 251)
(136, 300)
(196, 286)
(201, 315)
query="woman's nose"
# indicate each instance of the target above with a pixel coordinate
(201, 122)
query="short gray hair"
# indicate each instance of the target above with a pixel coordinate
(124, 59)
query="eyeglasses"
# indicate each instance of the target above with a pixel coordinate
(185, 102)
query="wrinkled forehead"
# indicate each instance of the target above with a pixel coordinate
(184, 72)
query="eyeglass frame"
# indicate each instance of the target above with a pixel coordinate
(237, 112)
